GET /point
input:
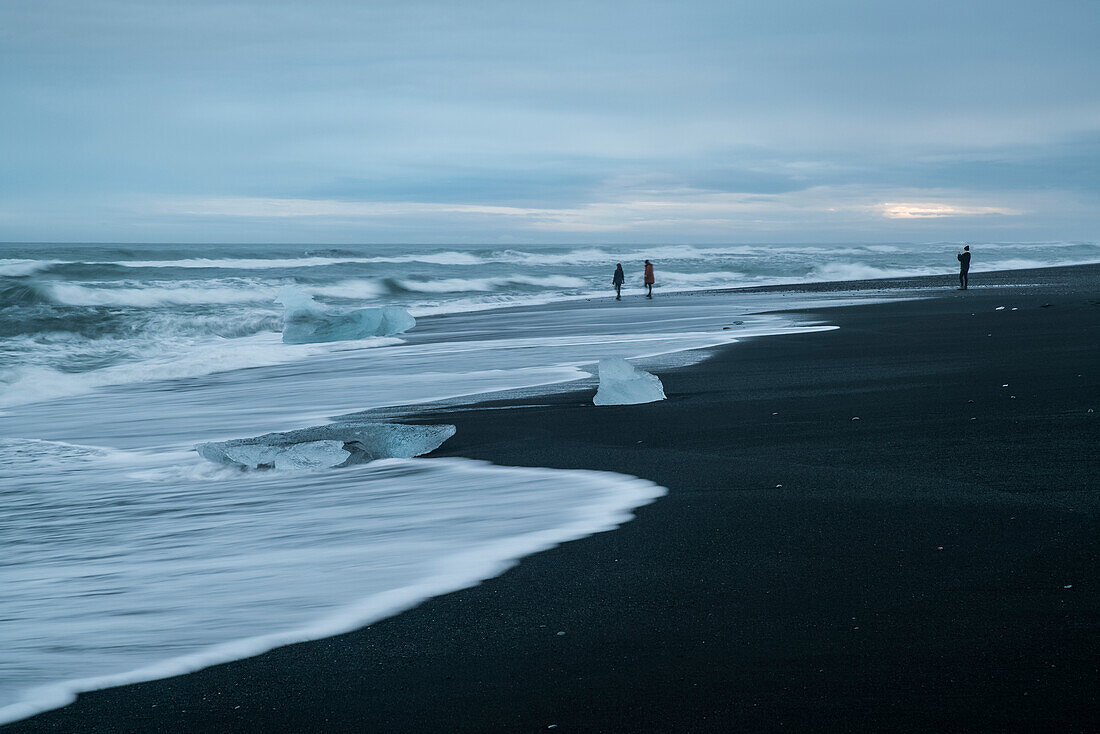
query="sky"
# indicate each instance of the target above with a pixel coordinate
(480, 122)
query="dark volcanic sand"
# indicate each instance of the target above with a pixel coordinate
(910, 574)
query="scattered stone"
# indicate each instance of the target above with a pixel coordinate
(738, 323)
(725, 328)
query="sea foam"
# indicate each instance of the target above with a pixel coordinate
(332, 552)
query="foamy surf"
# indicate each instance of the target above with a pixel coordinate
(339, 550)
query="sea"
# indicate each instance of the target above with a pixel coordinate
(127, 555)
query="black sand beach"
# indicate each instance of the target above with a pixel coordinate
(931, 566)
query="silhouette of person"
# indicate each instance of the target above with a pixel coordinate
(964, 267)
(649, 279)
(617, 280)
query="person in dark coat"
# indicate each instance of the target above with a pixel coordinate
(617, 280)
(649, 279)
(964, 267)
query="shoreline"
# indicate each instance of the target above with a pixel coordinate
(564, 433)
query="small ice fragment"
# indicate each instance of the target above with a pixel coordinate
(1068, 586)
(312, 455)
(775, 413)
(251, 456)
(855, 418)
(325, 446)
(970, 402)
(779, 486)
(621, 383)
(989, 335)
(939, 547)
(561, 634)
(1015, 309)
(1004, 385)
(1000, 308)
(1090, 410)
(973, 419)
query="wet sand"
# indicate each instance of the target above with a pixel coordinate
(931, 566)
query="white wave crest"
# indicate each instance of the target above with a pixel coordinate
(16, 267)
(158, 293)
(464, 285)
(260, 263)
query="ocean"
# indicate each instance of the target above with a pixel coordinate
(126, 555)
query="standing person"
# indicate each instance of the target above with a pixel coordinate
(617, 280)
(649, 279)
(964, 267)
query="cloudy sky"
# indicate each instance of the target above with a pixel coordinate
(451, 122)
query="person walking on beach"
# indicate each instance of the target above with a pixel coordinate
(617, 280)
(964, 267)
(649, 279)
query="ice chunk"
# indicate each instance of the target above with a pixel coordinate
(621, 383)
(252, 456)
(307, 322)
(337, 444)
(312, 455)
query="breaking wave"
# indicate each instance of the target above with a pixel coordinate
(466, 285)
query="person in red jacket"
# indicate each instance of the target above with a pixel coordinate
(649, 280)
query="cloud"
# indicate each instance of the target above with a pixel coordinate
(428, 119)
(934, 210)
(658, 211)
